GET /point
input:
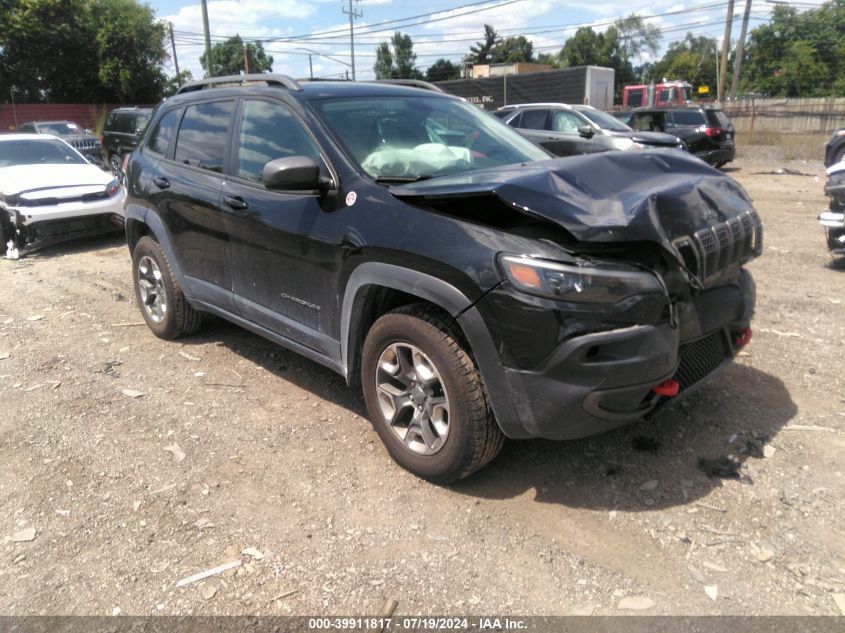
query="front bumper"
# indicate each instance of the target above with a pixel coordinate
(600, 380)
(834, 223)
(37, 227)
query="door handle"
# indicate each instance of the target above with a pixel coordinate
(161, 183)
(236, 202)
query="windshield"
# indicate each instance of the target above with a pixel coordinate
(605, 121)
(405, 139)
(60, 128)
(37, 152)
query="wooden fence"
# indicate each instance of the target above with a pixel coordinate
(804, 116)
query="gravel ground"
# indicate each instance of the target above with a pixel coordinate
(128, 463)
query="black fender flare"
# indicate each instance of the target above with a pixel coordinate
(153, 222)
(453, 301)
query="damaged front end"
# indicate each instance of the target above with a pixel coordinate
(833, 220)
(647, 295)
(35, 219)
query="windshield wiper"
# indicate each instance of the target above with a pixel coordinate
(392, 180)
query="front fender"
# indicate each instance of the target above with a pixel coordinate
(450, 299)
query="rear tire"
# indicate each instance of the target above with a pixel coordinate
(425, 396)
(163, 305)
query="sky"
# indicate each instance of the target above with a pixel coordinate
(293, 30)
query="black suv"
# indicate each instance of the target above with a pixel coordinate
(72, 133)
(566, 130)
(706, 130)
(121, 132)
(474, 288)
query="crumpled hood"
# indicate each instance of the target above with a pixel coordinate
(651, 196)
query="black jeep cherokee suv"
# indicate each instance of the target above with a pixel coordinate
(474, 287)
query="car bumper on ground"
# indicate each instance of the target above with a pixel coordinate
(601, 380)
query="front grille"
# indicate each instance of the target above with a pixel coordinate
(85, 144)
(699, 358)
(710, 252)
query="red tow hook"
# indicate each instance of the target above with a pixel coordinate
(669, 389)
(743, 338)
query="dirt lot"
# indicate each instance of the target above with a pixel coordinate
(235, 443)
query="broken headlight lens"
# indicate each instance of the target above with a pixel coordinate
(581, 283)
(113, 187)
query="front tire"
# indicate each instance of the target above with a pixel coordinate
(425, 396)
(163, 306)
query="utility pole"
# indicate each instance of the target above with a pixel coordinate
(310, 67)
(246, 59)
(354, 13)
(173, 46)
(740, 49)
(726, 50)
(208, 37)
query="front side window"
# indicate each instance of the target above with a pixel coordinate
(38, 152)
(201, 141)
(565, 122)
(404, 138)
(606, 121)
(163, 132)
(268, 131)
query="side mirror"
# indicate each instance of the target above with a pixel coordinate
(294, 173)
(586, 131)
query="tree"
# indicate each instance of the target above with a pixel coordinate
(636, 36)
(587, 48)
(798, 54)
(177, 81)
(442, 70)
(130, 50)
(692, 59)
(480, 52)
(396, 59)
(511, 50)
(228, 58)
(81, 51)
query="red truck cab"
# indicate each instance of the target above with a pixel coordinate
(662, 94)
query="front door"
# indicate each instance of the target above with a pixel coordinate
(284, 245)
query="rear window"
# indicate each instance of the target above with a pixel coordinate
(123, 123)
(534, 119)
(141, 122)
(687, 117)
(718, 118)
(201, 141)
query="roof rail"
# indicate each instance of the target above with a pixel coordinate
(412, 83)
(271, 79)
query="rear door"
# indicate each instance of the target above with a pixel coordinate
(284, 247)
(185, 188)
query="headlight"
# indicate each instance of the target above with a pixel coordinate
(593, 283)
(836, 180)
(113, 187)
